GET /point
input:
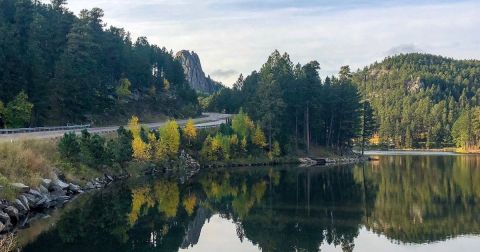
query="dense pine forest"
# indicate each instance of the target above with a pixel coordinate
(58, 68)
(422, 100)
(408, 101)
(294, 105)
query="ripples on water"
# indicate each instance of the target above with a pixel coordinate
(398, 203)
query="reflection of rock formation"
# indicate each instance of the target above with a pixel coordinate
(195, 228)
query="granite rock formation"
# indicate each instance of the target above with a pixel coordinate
(194, 73)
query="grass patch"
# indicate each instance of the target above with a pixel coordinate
(77, 174)
(27, 161)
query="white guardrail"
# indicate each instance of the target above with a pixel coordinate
(41, 129)
(206, 125)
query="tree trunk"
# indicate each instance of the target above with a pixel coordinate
(363, 128)
(296, 129)
(307, 128)
(270, 135)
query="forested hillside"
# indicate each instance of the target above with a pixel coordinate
(75, 69)
(294, 105)
(423, 100)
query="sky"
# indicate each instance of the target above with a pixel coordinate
(237, 36)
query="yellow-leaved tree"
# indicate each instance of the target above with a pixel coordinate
(242, 124)
(134, 126)
(276, 150)
(258, 138)
(167, 196)
(189, 204)
(244, 144)
(190, 131)
(166, 85)
(170, 138)
(141, 150)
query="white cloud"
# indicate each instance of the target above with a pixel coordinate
(230, 37)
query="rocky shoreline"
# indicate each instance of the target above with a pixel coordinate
(53, 193)
(50, 194)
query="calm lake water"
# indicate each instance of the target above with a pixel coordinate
(398, 203)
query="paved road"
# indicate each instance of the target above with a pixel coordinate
(208, 120)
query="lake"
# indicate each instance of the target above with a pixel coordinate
(398, 203)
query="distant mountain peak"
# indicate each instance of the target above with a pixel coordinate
(194, 73)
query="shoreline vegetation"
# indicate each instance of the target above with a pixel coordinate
(40, 174)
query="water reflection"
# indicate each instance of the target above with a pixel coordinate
(407, 199)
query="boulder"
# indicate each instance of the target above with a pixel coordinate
(2, 226)
(74, 188)
(12, 212)
(108, 178)
(20, 206)
(21, 187)
(89, 186)
(60, 184)
(4, 218)
(35, 193)
(54, 188)
(31, 199)
(46, 183)
(43, 189)
(62, 199)
(42, 203)
(57, 193)
(24, 201)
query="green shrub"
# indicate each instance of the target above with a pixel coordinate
(69, 147)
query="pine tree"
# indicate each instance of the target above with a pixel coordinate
(19, 111)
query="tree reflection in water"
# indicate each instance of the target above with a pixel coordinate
(412, 199)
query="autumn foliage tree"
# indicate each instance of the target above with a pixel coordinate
(141, 150)
(258, 137)
(242, 124)
(190, 131)
(170, 138)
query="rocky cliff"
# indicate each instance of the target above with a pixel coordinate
(194, 73)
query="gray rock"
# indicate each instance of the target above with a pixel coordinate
(62, 199)
(89, 186)
(4, 218)
(43, 189)
(2, 227)
(42, 203)
(12, 212)
(20, 206)
(73, 187)
(24, 201)
(21, 187)
(60, 184)
(46, 183)
(57, 193)
(32, 199)
(35, 193)
(194, 72)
